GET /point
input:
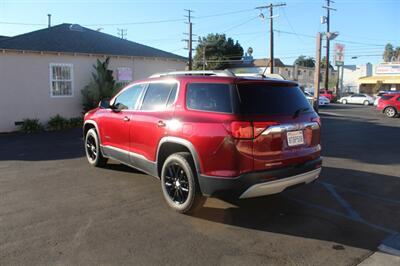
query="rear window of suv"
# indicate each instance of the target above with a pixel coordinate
(271, 99)
(211, 97)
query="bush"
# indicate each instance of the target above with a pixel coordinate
(75, 122)
(58, 123)
(31, 125)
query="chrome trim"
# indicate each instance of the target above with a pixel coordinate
(290, 127)
(277, 186)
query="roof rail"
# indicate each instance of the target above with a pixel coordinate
(218, 73)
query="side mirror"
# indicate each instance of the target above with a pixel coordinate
(104, 104)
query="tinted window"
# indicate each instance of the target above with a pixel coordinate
(157, 96)
(128, 98)
(172, 96)
(271, 99)
(209, 97)
(386, 97)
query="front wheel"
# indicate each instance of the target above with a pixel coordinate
(390, 112)
(344, 101)
(179, 184)
(92, 148)
(366, 103)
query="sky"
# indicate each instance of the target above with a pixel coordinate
(364, 26)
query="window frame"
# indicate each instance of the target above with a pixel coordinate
(51, 80)
(231, 96)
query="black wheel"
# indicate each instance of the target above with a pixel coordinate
(179, 183)
(344, 101)
(390, 112)
(92, 148)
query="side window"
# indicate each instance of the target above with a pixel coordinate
(172, 96)
(129, 97)
(211, 97)
(157, 96)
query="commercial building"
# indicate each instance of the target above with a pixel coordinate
(386, 77)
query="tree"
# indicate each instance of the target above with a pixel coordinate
(218, 51)
(397, 54)
(304, 61)
(388, 53)
(101, 86)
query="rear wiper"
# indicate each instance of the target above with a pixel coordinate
(300, 110)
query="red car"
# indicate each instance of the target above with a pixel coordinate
(389, 104)
(209, 134)
(328, 94)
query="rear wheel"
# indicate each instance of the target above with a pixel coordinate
(366, 103)
(92, 148)
(344, 101)
(179, 183)
(390, 112)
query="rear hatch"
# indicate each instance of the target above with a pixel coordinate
(286, 130)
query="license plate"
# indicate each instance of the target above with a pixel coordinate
(295, 138)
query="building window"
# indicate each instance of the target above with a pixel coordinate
(61, 80)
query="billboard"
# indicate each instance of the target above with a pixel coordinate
(387, 69)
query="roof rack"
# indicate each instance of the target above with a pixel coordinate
(218, 73)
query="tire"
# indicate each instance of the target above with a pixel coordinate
(344, 101)
(366, 103)
(390, 112)
(179, 183)
(92, 149)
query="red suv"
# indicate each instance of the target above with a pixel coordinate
(209, 134)
(328, 94)
(389, 104)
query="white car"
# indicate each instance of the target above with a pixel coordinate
(357, 99)
(322, 99)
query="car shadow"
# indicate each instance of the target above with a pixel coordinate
(312, 212)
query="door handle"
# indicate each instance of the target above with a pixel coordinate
(161, 123)
(126, 119)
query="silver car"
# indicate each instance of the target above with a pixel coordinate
(358, 98)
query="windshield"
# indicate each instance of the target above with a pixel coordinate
(271, 99)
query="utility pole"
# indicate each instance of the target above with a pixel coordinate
(271, 32)
(190, 38)
(317, 71)
(122, 33)
(327, 20)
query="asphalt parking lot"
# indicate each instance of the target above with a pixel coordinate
(56, 209)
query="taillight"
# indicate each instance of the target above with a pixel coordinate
(248, 130)
(260, 127)
(241, 130)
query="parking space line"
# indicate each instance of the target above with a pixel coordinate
(368, 195)
(351, 212)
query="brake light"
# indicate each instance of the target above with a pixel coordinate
(248, 130)
(260, 127)
(241, 130)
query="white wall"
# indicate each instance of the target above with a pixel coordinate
(25, 86)
(351, 74)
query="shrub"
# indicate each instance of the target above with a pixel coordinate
(31, 125)
(58, 123)
(75, 122)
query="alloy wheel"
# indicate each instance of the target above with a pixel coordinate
(91, 147)
(176, 183)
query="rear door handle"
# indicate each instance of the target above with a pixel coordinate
(126, 119)
(161, 123)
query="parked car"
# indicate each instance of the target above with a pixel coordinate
(328, 94)
(389, 104)
(379, 95)
(357, 99)
(209, 134)
(322, 99)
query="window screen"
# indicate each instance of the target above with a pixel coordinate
(61, 80)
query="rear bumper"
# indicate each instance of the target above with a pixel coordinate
(262, 183)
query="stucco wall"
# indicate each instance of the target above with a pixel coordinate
(25, 85)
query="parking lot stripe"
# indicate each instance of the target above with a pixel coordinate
(391, 245)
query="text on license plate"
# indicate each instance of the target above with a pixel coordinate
(295, 138)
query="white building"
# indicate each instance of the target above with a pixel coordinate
(350, 75)
(43, 72)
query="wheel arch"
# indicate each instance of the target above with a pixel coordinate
(394, 107)
(170, 145)
(89, 124)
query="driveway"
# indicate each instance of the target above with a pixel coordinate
(56, 209)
